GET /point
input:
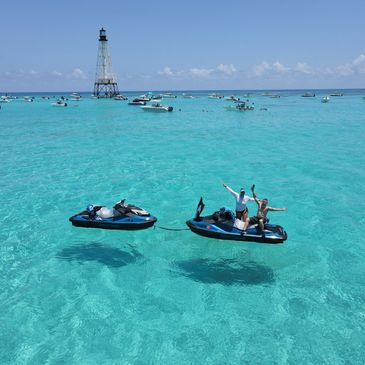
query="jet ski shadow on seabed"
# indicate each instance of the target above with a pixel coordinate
(225, 226)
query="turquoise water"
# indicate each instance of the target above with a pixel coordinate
(85, 296)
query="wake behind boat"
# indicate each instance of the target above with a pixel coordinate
(122, 216)
(223, 225)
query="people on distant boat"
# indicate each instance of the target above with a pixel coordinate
(241, 205)
(263, 209)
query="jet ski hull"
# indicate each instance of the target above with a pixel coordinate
(274, 234)
(128, 222)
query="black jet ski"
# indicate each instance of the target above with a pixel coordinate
(121, 216)
(224, 225)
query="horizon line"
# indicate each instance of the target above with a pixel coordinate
(182, 90)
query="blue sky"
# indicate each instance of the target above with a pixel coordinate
(201, 44)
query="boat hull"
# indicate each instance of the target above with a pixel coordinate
(273, 234)
(128, 222)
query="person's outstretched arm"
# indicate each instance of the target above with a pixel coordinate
(277, 209)
(254, 195)
(230, 190)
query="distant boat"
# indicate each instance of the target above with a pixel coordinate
(4, 99)
(186, 96)
(308, 95)
(143, 98)
(232, 98)
(336, 94)
(156, 98)
(325, 99)
(215, 96)
(157, 108)
(75, 97)
(270, 95)
(28, 99)
(137, 102)
(59, 103)
(120, 97)
(169, 95)
(239, 107)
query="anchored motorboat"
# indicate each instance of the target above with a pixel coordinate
(232, 98)
(157, 108)
(308, 95)
(120, 97)
(215, 96)
(59, 103)
(242, 106)
(169, 95)
(137, 102)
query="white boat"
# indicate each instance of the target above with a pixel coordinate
(308, 95)
(28, 99)
(336, 94)
(157, 108)
(169, 95)
(232, 98)
(186, 96)
(215, 96)
(120, 97)
(156, 98)
(137, 102)
(143, 98)
(325, 99)
(239, 107)
(59, 103)
(4, 99)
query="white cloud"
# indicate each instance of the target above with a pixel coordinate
(56, 73)
(77, 73)
(279, 67)
(201, 72)
(344, 70)
(264, 68)
(261, 69)
(166, 72)
(228, 69)
(304, 68)
(169, 72)
(359, 64)
(222, 70)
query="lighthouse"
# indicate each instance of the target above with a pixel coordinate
(105, 82)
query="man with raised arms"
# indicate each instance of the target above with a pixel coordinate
(262, 211)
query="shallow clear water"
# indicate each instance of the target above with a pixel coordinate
(73, 295)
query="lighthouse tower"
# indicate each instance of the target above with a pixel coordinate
(105, 83)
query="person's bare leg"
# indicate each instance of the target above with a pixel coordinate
(262, 227)
(246, 220)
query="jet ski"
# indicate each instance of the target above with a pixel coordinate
(121, 216)
(224, 225)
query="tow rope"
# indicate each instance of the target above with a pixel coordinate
(172, 229)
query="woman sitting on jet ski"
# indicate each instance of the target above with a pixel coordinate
(262, 211)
